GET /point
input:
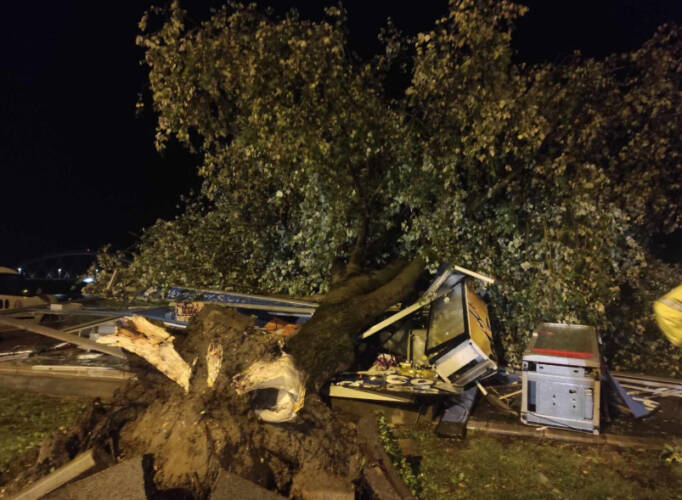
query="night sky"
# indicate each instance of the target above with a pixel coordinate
(78, 169)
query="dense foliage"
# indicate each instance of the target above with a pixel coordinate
(553, 178)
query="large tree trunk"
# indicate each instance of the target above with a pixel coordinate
(325, 344)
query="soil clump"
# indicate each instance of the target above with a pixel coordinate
(188, 437)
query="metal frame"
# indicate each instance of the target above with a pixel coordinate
(556, 367)
(533, 417)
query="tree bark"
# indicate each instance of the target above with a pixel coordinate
(325, 345)
(357, 256)
(361, 284)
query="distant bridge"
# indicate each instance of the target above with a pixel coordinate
(65, 266)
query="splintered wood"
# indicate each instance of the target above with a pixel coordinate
(152, 343)
(214, 360)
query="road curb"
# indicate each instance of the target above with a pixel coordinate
(509, 429)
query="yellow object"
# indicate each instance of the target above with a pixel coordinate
(479, 322)
(668, 311)
(407, 370)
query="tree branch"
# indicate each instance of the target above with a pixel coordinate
(326, 344)
(361, 284)
(357, 256)
(393, 291)
(495, 190)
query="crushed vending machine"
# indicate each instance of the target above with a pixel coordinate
(561, 377)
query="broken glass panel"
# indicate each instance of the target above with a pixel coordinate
(447, 319)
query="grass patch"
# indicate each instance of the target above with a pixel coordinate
(486, 467)
(26, 419)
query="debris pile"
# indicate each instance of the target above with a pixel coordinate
(226, 397)
(195, 431)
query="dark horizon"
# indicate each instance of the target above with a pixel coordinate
(79, 168)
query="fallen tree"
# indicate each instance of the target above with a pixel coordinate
(557, 179)
(325, 344)
(193, 407)
(538, 175)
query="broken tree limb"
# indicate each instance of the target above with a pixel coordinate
(154, 345)
(59, 335)
(155, 334)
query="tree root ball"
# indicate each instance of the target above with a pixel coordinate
(192, 436)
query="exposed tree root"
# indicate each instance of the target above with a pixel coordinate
(202, 423)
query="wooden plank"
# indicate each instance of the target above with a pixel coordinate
(650, 404)
(647, 378)
(423, 301)
(77, 466)
(64, 337)
(663, 392)
(510, 395)
(479, 276)
(433, 287)
(123, 481)
(12, 357)
(648, 383)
